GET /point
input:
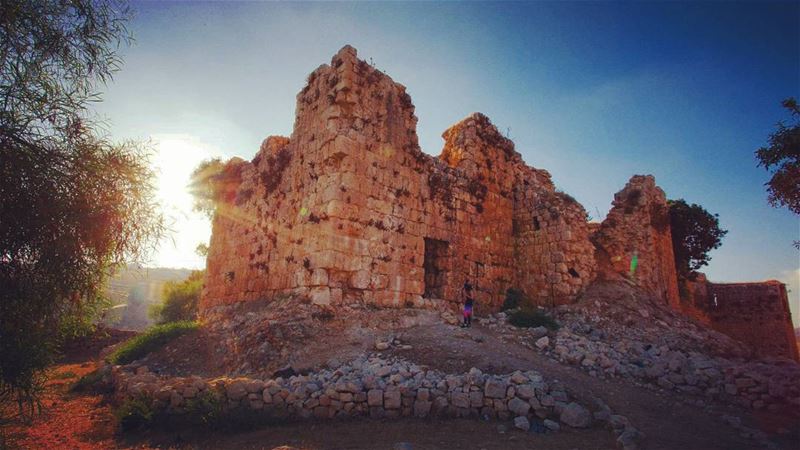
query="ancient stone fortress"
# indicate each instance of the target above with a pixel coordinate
(349, 211)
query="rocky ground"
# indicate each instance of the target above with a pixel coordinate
(618, 362)
(677, 382)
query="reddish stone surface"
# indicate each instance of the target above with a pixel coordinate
(754, 313)
(349, 210)
(638, 224)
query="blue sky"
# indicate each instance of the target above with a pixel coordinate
(594, 92)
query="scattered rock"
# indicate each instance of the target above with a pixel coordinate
(495, 388)
(519, 407)
(538, 332)
(522, 423)
(576, 416)
(551, 425)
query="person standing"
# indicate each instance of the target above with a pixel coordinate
(469, 300)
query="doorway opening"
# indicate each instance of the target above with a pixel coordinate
(436, 267)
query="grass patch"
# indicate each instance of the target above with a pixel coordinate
(134, 414)
(65, 375)
(531, 318)
(152, 339)
(88, 382)
(205, 409)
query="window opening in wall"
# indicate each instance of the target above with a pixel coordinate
(573, 273)
(536, 225)
(478, 275)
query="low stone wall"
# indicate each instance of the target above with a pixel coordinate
(378, 388)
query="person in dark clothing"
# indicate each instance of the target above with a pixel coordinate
(469, 300)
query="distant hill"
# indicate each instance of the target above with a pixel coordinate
(133, 290)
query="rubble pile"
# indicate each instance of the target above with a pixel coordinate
(617, 330)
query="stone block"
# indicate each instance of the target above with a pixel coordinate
(392, 400)
(518, 407)
(375, 397)
(495, 388)
(576, 416)
(320, 296)
(460, 399)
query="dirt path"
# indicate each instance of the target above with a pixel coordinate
(69, 420)
(667, 422)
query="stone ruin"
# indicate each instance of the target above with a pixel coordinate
(349, 211)
(755, 313)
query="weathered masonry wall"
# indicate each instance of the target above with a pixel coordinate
(349, 210)
(638, 227)
(553, 252)
(754, 313)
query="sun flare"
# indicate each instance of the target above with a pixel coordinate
(175, 158)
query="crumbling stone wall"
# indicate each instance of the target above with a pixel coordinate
(349, 211)
(346, 211)
(554, 254)
(638, 226)
(754, 313)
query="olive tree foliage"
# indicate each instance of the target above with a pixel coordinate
(205, 185)
(695, 232)
(73, 205)
(179, 299)
(781, 157)
(214, 183)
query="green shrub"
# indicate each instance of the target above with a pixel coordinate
(150, 340)
(64, 375)
(514, 299)
(179, 299)
(88, 383)
(205, 409)
(134, 414)
(531, 318)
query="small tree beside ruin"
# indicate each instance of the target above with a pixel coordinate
(695, 232)
(213, 183)
(179, 299)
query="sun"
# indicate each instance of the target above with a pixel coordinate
(176, 156)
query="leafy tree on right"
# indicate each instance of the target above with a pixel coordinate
(781, 157)
(695, 232)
